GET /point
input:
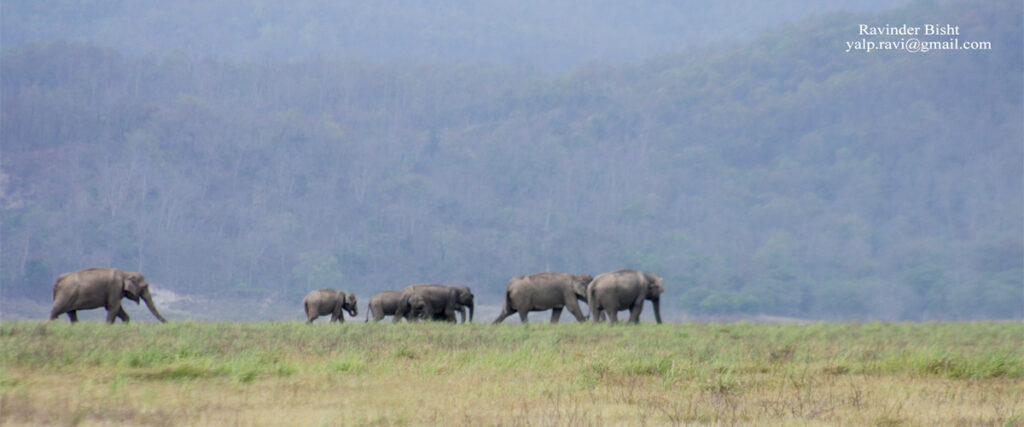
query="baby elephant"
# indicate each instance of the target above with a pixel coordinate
(329, 301)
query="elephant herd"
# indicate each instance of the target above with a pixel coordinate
(605, 295)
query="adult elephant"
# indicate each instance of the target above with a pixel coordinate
(100, 287)
(439, 301)
(329, 301)
(545, 291)
(624, 289)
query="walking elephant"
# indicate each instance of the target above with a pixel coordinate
(385, 303)
(545, 291)
(329, 301)
(100, 287)
(624, 289)
(464, 299)
(439, 301)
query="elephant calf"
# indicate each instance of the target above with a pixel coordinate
(100, 287)
(383, 303)
(329, 301)
(545, 291)
(464, 299)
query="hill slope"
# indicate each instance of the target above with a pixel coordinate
(784, 177)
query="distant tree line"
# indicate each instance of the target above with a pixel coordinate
(550, 35)
(781, 177)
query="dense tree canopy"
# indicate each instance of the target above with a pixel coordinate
(779, 176)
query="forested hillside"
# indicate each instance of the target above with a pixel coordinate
(780, 176)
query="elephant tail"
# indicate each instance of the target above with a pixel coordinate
(56, 284)
(506, 306)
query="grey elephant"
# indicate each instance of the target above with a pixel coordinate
(385, 303)
(100, 287)
(621, 290)
(329, 301)
(545, 291)
(416, 308)
(439, 301)
(464, 299)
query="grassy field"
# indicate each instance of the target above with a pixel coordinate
(539, 374)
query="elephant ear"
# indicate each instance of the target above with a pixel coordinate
(131, 287)
(415, 300)
(350, 299)
(580, 283)
(655, 286)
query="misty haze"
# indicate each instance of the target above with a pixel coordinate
(242, 154)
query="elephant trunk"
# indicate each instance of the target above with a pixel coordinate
(470, 311)
(152, 307)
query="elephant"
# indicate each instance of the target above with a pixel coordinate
(100, 287)
(415, 308)
(439, 301)
(621, 290)
(464, 299)
(329, 301)
(545, 291)
(385, 303)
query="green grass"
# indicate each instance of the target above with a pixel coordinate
(743, 372)
(950, 350)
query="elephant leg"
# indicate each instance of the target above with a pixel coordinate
(522, 316)
(555, 314)
(636, 309)
(123, 315)
(501, 317)
(613, 315)
(634, 313)
(112, 313)
(574, 308)
(73, 315)
(55, 312)
(595, 309)
(505, 312)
